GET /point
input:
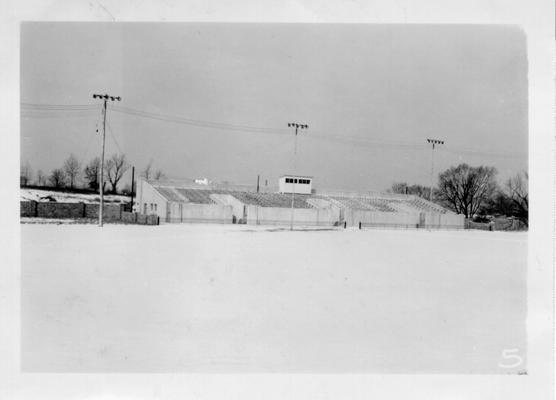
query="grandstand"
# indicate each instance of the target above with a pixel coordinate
(189, 202)
(203, 196)
(272, 199)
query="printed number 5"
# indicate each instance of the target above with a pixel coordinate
(510, 355)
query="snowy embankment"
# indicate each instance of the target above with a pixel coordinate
(66, 197)
(197, 298)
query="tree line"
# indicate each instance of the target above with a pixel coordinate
(475, 192)
(74, 174)
(471, 191)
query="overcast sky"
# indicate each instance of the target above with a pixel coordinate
(371, 95)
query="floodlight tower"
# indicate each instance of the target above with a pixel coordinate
(105, 97)
(434, 142)
(297, 127)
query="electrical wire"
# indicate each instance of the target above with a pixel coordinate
(45, 110)
(114, 138)
(199, 123)
(41, 111)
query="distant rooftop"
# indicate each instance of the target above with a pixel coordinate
(190, 184)
(295, 176)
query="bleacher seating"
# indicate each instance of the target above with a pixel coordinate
(169, 193)
(364, 203)
(382, 205)
(202, 196)
(283, 200)
(272, 199)
(425, 206)
(198, 196)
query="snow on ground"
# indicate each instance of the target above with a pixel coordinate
(66, 197)
(215, 298)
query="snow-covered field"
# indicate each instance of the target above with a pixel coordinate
(67, 197)
(197, 298)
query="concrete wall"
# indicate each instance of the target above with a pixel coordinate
(202, 213)
(381, 219)
(444, 221)
(150, 201)
(281, 216)
(59, 210)
(109, 211)
(239, 209)
(404, 220)
(28, 208)
(143, 219)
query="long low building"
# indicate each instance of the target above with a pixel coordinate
(179, 202)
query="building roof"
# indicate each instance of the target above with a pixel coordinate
(295, 176)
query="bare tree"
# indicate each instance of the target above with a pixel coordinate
(25, 174)
(499, 204)
(92, 173)
(57, 178)
(404, 188)
(41, 178)
(72, 169)
(159, 174)
(518, 192)
(115, 168)
(465, 189)
(399, 187)
(147, 172)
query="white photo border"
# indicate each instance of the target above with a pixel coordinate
(534, 17)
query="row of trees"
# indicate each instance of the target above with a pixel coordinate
(73, 174)
(474, 191)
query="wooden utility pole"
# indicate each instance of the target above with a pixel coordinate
(132, 185)
(105, 98)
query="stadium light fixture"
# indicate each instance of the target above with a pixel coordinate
(434, 142)
(297, 127)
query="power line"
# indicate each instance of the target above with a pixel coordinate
(58, 107)
(58, 116)
(114, 138)
(354, 140)
(315, 134)
(45, 110)
(483, 153)
(199, 123)
(41, 111)
(245, 128)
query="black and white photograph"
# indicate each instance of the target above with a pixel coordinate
(216, 198)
